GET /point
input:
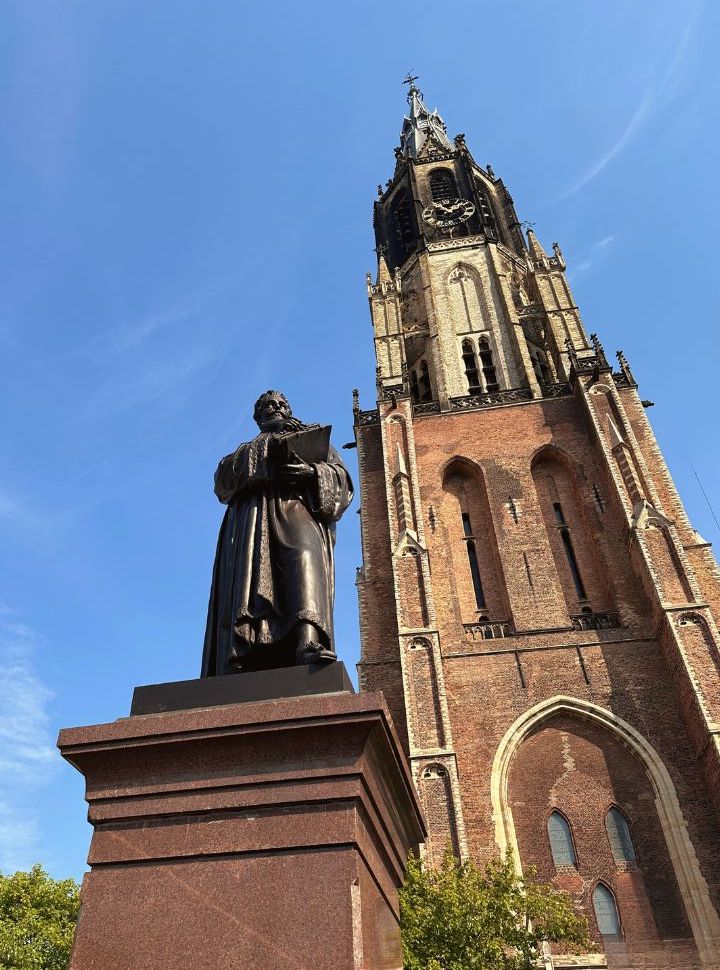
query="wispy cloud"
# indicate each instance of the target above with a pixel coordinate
(657, 90)
(591, 256)
(18, 512)
(154, 381)
(116, 340)
(25, 515)
(27, 754)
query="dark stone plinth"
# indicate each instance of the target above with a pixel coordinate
(268, 835)
(262, 685)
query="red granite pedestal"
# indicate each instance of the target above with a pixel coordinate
(269, 835)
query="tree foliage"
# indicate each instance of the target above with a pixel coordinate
(462, 917)
(37, 920)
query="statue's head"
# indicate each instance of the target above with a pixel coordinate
(272, 411)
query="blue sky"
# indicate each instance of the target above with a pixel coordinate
(186, 191)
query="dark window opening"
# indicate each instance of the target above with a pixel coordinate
(544, 369)
(540, 366)
(618, 831)
(414, 387)
(471, 367)
(484, 207)
(488, 367)
(424, 387)
(473, 561)
(442, 185)
(403, 223)
(598, 498)
(569, 550)
(561, 840)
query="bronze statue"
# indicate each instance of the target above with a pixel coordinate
(271, 601)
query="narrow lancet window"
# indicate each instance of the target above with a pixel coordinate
(414, 386)
(541, 368)
(471, 367)
(484, 205)
(561, 841)
(606, 912)
(569, 550)
(488, 367)
(473, 561)
(618, 831)
(424, 382)
(403, 223)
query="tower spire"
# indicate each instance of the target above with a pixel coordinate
(535, 247)
(421, 123)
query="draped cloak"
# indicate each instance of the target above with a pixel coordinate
(274, 564)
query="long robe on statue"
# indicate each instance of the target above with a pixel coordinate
(274, 565)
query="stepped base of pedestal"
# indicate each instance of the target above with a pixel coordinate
(270, 834)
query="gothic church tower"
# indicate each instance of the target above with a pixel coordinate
(534, 602)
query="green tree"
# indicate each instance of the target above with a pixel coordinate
(462, 917)
(37, 920)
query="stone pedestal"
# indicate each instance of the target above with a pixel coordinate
(265, 835)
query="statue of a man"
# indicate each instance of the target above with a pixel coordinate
(271, 602)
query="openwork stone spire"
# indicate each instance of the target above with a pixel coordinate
(421, 124)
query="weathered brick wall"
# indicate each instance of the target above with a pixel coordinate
(583, 771)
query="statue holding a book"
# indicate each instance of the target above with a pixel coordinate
(271, 601)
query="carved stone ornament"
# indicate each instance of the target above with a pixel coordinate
(556, 390)
(420, 643)
(368, 417)
(427, 407)
(490, 399)
(463, 243)
(434, 771)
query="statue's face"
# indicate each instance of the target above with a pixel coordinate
(273, 414)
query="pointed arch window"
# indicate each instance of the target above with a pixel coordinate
(471, 367)
(618, 831)
(488, 365)
(402, 223)
(484, 206)
(442, 185)
(485, 209)
(561, 840)
(606, 912)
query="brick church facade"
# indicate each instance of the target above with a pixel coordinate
(534, 602)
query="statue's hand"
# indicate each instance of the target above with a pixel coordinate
(296, 472)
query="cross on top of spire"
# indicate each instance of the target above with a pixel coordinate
(410, 80)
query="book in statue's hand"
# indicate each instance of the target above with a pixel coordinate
(311, 445)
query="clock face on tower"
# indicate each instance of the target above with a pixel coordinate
(449, 213)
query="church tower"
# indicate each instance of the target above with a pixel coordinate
(534, 601)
